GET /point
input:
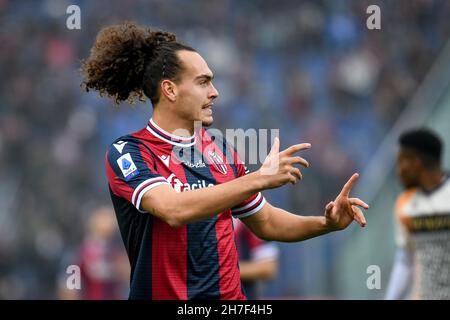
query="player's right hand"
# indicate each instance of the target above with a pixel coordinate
(279, 167)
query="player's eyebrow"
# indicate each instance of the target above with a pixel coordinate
(208, 77)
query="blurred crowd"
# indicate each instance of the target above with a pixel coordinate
(310, 68)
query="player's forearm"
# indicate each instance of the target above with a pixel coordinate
(191, 206)
(287, 227)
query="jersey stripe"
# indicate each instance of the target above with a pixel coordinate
(230, 283)
(142, 275)
(169, 248)
(203, 277)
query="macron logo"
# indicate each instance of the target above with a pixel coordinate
(165, 159)
(119, 146)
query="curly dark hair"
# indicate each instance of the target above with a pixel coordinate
(127, 62)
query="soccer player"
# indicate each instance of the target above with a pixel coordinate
(422, 212)
(175, 213)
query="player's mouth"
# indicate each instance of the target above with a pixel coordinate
(208, 108)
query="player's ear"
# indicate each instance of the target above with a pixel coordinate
(169, 90)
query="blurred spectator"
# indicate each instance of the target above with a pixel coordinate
(102, 260)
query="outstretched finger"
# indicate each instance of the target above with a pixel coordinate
(349, 185)
(358, 202)
(275, 147)
(359, 216)
(295, 148)
(296, 173)
(298, 160)
(292, 178)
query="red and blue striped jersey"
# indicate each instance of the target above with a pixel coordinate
(198, 260)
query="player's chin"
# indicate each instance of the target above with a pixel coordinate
(207, 121)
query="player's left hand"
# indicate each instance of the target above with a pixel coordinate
(343, 210)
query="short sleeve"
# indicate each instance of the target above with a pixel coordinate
(251, 205)
(131, 171)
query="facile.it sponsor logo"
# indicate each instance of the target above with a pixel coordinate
(181, 187)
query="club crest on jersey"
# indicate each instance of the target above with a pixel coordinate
(127, 166)
(217, 162)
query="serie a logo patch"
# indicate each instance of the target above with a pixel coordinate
(127, 166)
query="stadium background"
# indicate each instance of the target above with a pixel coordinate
(310, 68)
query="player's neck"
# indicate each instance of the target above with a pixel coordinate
(173, 125)
(432, 179)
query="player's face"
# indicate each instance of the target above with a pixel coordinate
(408, 168)
(195, 90)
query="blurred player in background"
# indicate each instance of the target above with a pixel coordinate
(104, 268)
(175, 188)
(258, 260)
(422, 212)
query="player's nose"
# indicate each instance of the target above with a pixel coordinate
(214, 93)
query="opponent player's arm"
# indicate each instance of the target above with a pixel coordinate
(402, 270)
(178, 208)
(276, 224)
(401, 275)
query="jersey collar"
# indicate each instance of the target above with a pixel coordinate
(168, 137)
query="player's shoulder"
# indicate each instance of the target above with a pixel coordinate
(124, 142)
(403, 199)
(446, 183)
(128, 145)
(405, 196)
